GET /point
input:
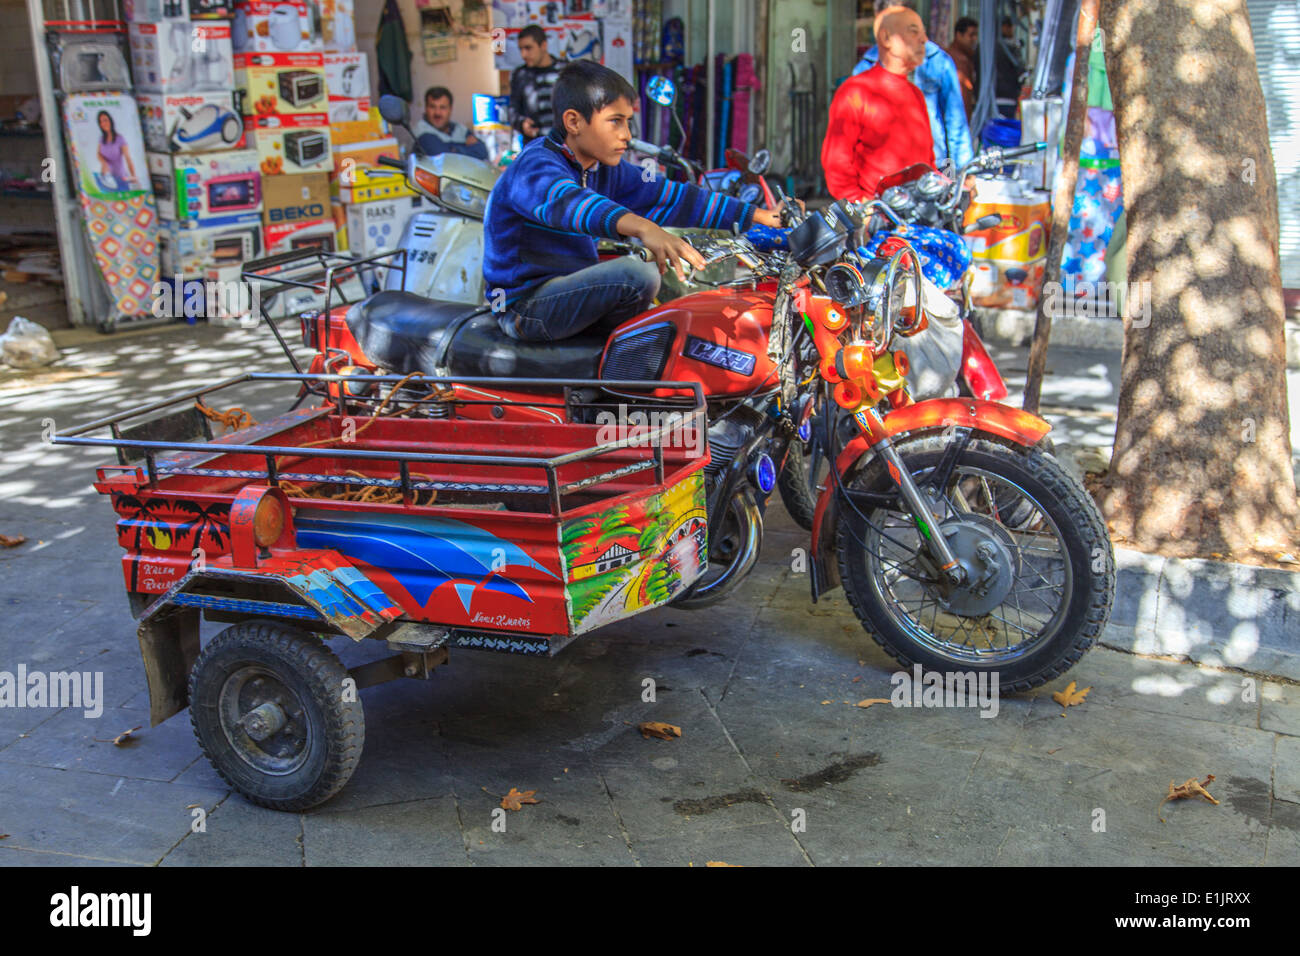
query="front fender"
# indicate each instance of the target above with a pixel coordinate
(994, 418)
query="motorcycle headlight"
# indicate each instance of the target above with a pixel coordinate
(464, 199)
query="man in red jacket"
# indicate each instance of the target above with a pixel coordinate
(878, 123)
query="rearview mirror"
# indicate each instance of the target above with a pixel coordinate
(759, 164)
(661, 90)
(393, 108)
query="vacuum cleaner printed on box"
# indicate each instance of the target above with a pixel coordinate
(190, 123)
(177, 56)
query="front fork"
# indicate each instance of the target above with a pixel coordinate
(927, 521)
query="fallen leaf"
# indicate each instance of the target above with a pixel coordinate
(4, 836)
(855, 680)
(1070, 697)
(873, 700)
(825, 702)
(1185, 791)
(655, 728)
(1054, 751)
(192, 806)
(720, 863)
(515, 799)
(12, 540)
(120, 739)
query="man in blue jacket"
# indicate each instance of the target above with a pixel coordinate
(937, 78)
(571, 187)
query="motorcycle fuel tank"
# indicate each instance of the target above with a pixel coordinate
(717, 337)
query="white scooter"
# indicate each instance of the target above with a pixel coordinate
(444, 245)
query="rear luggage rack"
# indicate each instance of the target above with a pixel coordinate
(321, 272)
(150, 439)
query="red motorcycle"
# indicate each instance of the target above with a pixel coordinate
(962, 545)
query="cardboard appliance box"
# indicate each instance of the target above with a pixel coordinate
(300, 197)
(292, 236)
(275, 26)
(199, 187)
(375, 227)
(180, 56)
(189, 249)
(281, 84)
(290, 144)
(190, 122)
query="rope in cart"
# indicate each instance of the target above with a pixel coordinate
(236, 418)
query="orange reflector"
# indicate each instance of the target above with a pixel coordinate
(268, 521)
(901, 362)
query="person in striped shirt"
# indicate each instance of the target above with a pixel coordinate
(568, 189)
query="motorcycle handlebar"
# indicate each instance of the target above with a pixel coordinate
(390, 161)
(641, 146)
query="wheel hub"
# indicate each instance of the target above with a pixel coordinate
(986, 552)
(264, 721)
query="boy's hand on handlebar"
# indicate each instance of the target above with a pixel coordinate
(772, 217)
(669, 250)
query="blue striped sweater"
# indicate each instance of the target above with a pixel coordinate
(544, 214)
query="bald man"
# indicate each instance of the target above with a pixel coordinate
(879, 123)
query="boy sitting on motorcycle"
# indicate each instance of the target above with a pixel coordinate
(572, 187)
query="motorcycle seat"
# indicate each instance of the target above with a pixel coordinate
(481, 348)
(406, 333)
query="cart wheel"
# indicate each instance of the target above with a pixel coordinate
(268, 706)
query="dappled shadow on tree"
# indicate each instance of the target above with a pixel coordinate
(1202, 458)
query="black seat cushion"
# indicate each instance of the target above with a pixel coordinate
(404, 332)
(481, 348)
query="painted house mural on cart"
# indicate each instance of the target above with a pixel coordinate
(636, 556)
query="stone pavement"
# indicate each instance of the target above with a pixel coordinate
(775, 765)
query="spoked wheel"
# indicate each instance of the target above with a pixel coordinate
(733, 552)
(1040, 569)
(269, 708)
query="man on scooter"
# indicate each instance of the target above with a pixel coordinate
(572, 187)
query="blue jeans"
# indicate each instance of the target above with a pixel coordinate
(595, 300)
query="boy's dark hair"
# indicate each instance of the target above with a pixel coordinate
(533, 32)
(964, 24)
(438, 93)
(588, 87)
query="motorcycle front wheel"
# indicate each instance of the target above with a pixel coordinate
(1041, 570)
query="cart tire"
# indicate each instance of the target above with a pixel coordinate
(297, 683)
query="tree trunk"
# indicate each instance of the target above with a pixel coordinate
(1202, 461)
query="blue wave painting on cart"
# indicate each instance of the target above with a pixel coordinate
(422, 553)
